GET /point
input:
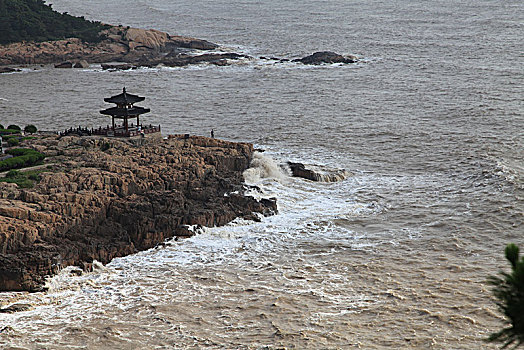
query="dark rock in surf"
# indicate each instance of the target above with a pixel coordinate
(221, 63)
(66, 64)
(326, 57)
(118, 66)
(9, 70)
(81, 64)
(15, 308)
(299, 170)
(176, 59)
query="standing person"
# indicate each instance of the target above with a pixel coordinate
(212, 133)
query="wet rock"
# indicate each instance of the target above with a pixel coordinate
(76, 272)
(180, 60)
(81, 64)
(66, 64)
(220, 63)
(118, 66)
(15, 308)
(331, 175)
(184, 231)
(299, 170)
(326, 57)
(9, 70)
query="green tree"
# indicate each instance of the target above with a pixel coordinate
(509, 292)
(14, 127)
(30, 129)
(13, 142)
(33, 20)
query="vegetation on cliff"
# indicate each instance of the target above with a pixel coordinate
(33, 20)
(509, 291)
(23, 180)
(22, 157)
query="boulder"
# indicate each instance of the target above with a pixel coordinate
(66, 64)
(117, 66)
(324, 175)
(15, 308)
(190, 43)
(326, 57)
(81, 64)
(9, 70)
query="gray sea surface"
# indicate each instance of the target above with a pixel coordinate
(429, 125)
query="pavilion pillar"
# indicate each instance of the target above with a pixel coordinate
(113, 122)
(137, 121)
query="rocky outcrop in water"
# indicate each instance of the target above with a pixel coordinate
(122, 44)
(8, 70)
(326, 57)
(106, 198)
(300, 170)
(136, 48)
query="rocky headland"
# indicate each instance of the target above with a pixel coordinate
(134, 47)
(102, 198)
(121, 44)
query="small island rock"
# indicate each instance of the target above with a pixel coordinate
(326, 57)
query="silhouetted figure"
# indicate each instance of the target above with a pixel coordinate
(212, 133)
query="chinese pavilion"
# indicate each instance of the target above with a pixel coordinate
(125, 110)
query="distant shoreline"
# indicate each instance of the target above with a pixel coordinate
(122, 44)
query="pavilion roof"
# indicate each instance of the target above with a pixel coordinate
(124, 98)
(125, 112)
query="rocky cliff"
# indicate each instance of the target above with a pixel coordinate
(105, 198)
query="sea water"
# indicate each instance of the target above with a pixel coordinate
(428, 127)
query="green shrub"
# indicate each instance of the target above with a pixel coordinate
(13, 141)
(30, 129)
(509, 291)
(105, 146)
(14, 127)
(22, 157)
(12, 173)
(8, 131)
(1, 126)
(23, 180)
(34, 177)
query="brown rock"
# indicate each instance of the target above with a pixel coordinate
(81, 64)
(101, 205)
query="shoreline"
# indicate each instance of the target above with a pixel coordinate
(121, 44)
(133, 47)
(106, 198)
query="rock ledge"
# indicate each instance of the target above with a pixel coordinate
(100, 205)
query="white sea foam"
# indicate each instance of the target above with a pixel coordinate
(264, 167)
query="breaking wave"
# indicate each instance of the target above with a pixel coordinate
(263, 167)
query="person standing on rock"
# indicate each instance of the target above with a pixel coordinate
(212, 133)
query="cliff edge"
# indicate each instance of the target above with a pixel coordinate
(104, 198)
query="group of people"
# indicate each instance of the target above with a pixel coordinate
(77, 131)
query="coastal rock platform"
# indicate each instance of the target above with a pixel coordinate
(103, 198)
(121, 44)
